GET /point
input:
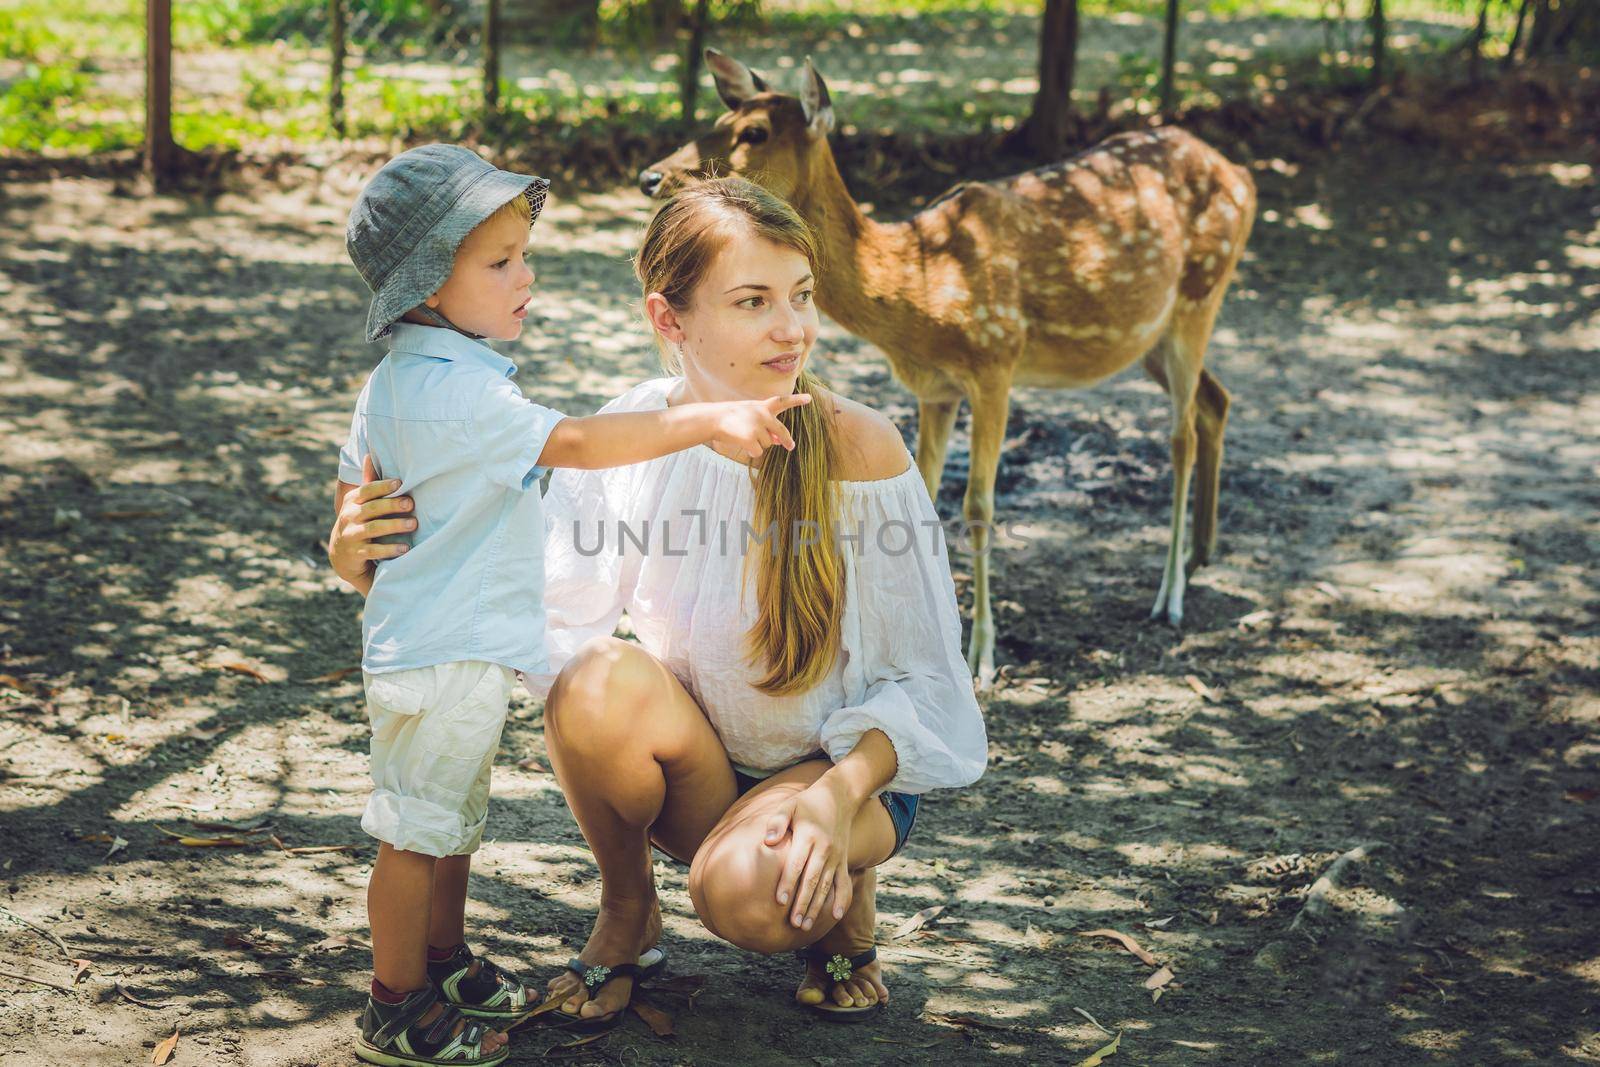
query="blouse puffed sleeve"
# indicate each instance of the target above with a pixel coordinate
(904, 672)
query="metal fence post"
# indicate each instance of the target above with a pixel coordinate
(336, 66)
(491, 55)
(1169, 52)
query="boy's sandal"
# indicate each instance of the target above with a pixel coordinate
(596, 978)
(493, 994)
(392, 1036)
(840, 967)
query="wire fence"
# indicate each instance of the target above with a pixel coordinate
(269, 73)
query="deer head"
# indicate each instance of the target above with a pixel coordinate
(765, 136)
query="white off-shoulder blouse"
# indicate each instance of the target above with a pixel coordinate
(666, 540)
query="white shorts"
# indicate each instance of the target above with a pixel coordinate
(435, 731)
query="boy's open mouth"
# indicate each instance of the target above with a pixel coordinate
(522, 309)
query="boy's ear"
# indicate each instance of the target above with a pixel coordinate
(432, 301)
(663, 318)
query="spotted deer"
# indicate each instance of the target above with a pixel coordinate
(1060, 276)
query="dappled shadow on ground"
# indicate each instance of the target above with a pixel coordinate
(1398, 644)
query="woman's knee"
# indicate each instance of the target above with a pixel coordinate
(733, 883)
(599, 691)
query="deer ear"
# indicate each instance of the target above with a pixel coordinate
(815, 101)
(736, 82)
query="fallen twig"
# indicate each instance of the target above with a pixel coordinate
(36, 928)
(40, 981)
(130, 998)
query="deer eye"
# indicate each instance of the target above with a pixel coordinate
(752, 135)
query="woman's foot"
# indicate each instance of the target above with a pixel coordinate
(624, 931)
(851, 936)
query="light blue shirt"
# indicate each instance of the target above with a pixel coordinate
(442, 414)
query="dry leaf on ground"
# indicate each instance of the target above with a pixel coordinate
(164, 1051)
(658, 1021)
(917, 922)
(335, 676)
(1099, 1055)
(1126, 942)
(1159, 979)
(130, 998)
(194, 841)
(242, 668)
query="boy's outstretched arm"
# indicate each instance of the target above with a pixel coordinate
(361, 514)
(616, 439)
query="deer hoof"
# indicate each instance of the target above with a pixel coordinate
(980, 661)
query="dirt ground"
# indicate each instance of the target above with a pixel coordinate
(1398, 647)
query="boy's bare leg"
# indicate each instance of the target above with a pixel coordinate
(399, 910)
(448, 916)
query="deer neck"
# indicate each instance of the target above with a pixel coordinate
(861, 287)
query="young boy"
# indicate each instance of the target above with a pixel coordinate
(439, 235)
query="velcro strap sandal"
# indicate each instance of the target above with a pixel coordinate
(392, 1035)
(493, 994)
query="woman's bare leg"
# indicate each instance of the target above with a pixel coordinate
(734, 880)
(637, 760)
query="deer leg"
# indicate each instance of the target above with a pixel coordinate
(991, 401)
(1181, 380)
(1211, 419)
(935, 420)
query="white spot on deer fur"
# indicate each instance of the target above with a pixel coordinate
(1208, 264)
(1121, 276)
(1152, 253)
(953, 294)
(981, 313)
(1229, 212)
(1227, 247)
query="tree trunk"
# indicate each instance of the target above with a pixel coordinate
(1563, 27)
(160, 153)
(1475, 44)
(491, 56)
(689, 87)
(336, 66)
(1516, 35)
(1049, 127)
(1169, 51)
(1380, 34)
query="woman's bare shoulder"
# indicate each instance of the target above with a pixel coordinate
(870, 447)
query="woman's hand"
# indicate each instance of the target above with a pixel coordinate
(366, 513)
(750, 426)
(817, 870)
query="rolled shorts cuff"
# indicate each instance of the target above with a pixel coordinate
(415, 825)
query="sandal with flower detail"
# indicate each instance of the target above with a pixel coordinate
(596, 977)
(840, 967)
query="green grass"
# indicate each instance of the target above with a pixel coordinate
(74, 74)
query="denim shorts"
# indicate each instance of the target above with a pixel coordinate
(902, 808)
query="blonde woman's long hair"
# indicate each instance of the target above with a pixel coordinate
(800, 574)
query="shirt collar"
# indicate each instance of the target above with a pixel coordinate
(440, 343)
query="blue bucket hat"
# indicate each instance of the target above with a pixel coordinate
(412, 216)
